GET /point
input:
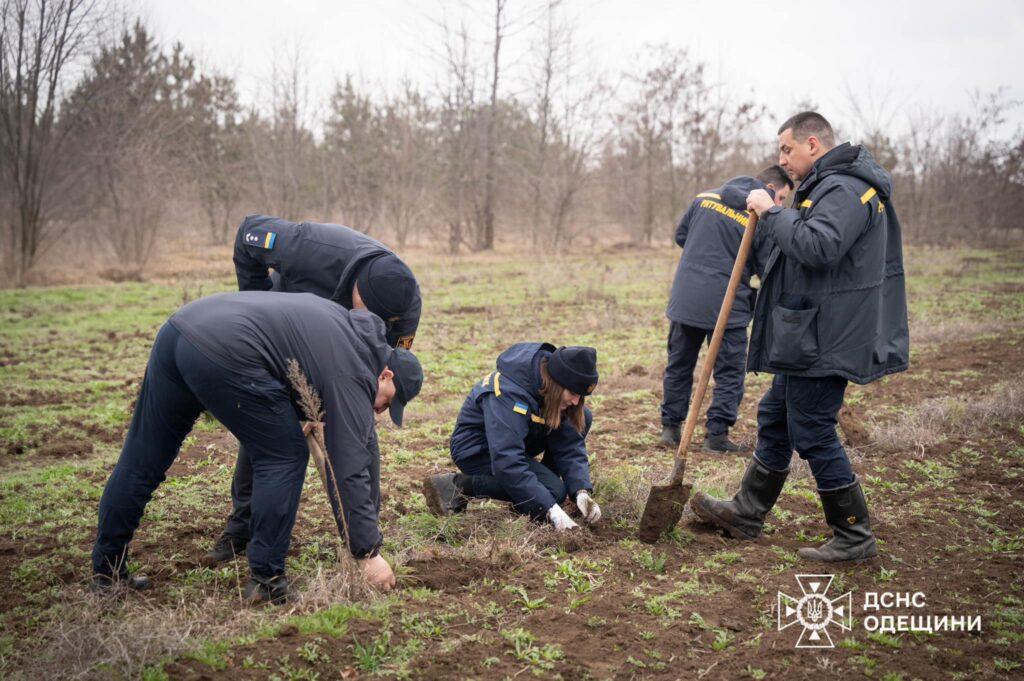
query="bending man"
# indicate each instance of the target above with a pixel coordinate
(228, 354)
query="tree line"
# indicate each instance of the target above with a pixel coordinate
(127, 140)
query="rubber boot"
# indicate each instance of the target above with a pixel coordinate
(670, 435)
(743, 516)
(720, 444)
(446, 493)
(275, 590)
(225, 550)
(846, 512)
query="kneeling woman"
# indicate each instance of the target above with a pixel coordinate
(533, 404)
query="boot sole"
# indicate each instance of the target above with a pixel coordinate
(712, 519)
(434, 502)
(859, 559)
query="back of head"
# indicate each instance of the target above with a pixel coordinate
(776, 176)
(810, 124)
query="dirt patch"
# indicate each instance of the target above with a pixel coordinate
(30, 398)
(65, 449)
(446, 573)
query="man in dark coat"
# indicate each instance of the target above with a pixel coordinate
(228, 354)
(710, 233)
(329, 261)
(832, 308)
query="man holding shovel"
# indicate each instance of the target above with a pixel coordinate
(229, 354)
(831, 309)
(710, 233)
(332, 262)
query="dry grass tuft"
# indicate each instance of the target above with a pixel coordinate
(940, 418)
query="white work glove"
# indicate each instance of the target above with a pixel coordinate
(559, 519)
(588, 507)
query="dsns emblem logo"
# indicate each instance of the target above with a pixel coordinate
(815, 612)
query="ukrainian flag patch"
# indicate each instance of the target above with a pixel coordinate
(520, 408)
(261, 239)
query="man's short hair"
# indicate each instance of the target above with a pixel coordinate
(808, 123)
(775, 176)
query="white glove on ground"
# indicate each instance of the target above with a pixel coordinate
(588, 507)
(559, 519)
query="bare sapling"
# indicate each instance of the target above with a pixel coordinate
(312, 409)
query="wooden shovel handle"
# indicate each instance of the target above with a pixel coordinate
(716, 341)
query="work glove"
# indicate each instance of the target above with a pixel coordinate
(588, 507)
(559, 519)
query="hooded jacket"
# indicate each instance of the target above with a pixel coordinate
(500, 420)
(833, 297)
(309, 257)
(709, 233)
(341, 352)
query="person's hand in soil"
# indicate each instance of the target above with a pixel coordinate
(560, 519)
(378, 573)
(588, 507)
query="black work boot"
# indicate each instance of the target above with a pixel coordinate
(107, 584)
(225, 550)
(670, 435)
(275, 590)
(720, 444)
(846, 512)
(743, 516)
(446, 493)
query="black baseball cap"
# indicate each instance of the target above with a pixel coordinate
(408, 381)
(387, 286)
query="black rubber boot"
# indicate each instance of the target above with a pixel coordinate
(106, 584)
(743, 516)
(446, 493)
(225, 550)
(846, 512)
(275, 590)
(720, 444)
(670, 435)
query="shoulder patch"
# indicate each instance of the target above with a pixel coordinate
(261, 239)
(520, 408)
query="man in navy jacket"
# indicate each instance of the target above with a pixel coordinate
(332, 262)
(832, 309)
(710, 233)
(228, 354)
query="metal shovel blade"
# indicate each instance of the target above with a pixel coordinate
(664, 508)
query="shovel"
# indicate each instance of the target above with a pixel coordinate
(666, 502)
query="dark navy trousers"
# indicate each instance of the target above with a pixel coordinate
(239, 521)
(181, 383)
(484, 484)
(801, 413)
(683, 349)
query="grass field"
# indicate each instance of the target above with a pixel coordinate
(488, 595)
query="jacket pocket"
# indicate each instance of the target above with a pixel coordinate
(794, 338)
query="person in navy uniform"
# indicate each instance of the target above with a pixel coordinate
(228, 354)
(832, 309)
(330, 261)
(532, 405)
(710, 233)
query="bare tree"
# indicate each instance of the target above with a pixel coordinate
(39, 40)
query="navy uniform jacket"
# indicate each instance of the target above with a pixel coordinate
(710, 233)
(833, 299)
(341, 352)
(500, 420)
(310, 257)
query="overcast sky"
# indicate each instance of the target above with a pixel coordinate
(896, 56)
